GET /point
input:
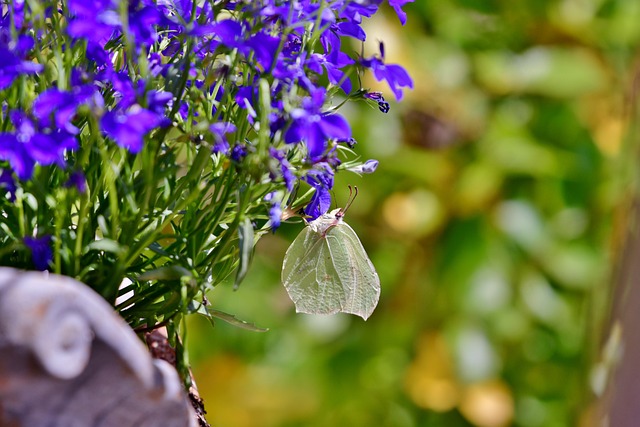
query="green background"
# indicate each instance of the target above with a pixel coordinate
(491, 221)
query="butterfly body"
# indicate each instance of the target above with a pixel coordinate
(325, 222)
(326, 270)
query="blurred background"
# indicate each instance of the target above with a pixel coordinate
(492, 222)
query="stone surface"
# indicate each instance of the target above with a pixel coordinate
(68, 360)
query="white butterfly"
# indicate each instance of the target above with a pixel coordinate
(326, 269)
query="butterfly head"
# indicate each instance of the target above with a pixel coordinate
(337, 214)
(326, 222)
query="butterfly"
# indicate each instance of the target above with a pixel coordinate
(326, 269)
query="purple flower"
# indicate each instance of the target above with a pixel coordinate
(15, 13)
(95, 20)
(320, 178)
(395, 76)
(55, 109)
(233, 34)
(48, 148)
(156, 67)
(78, 181)
(246, 95)
(275, 211)
(334, 73)
(157, 102)
(351, 142)
(319, 203)
(30, 145)
(354, 11)
(230, 32)
(285, 168)
(17, 155)
(8, 183)
(125, 90)
(292, 46)
(382, 104)
(128, 129)
(142, 22)
(41, 252)
(97, 54)
(56, 104)
(238, 152)
(397, 6)
(294, 12)
(177, 13)
(220, 131)
(350, 29)
(98, 20)
(369, 166)
(265, 47)
(314, 127)
(12, 65)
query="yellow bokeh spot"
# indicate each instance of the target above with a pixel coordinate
(418, 212)
(487, 404)
(609, 134)
(429, 380)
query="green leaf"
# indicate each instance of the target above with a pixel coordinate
(245, 235)
(173, 272)
(210, 313)
(106, 245)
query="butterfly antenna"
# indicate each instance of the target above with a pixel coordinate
(353, 193)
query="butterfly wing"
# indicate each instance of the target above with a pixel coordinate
(330, 274)
(309, 275)
(356, 275)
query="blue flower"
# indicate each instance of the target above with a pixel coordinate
(157, 102)
(55, 109)
(264, 47)
(220, 131)
(285, 168)
(156, 67)
(314, 127)
(125, 90)
(8, 183)
(96, 53)
(320, 178)
(397, 6)
(351, 142)
(128, 129)
(13, 65)
(292, 46)
(30, 144)
(59, 104)
(98, 20)
(379, 99)
(354, 11)
(238, 152)
(395, 76)
(95, 20)
(41, 251)
(14, 16)
(143, 20)
(275, 211)
(233, 34)
(78, 181)
(334, 73)
(351, 29)
(230, 32)
(17, 155)
(367, 167)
